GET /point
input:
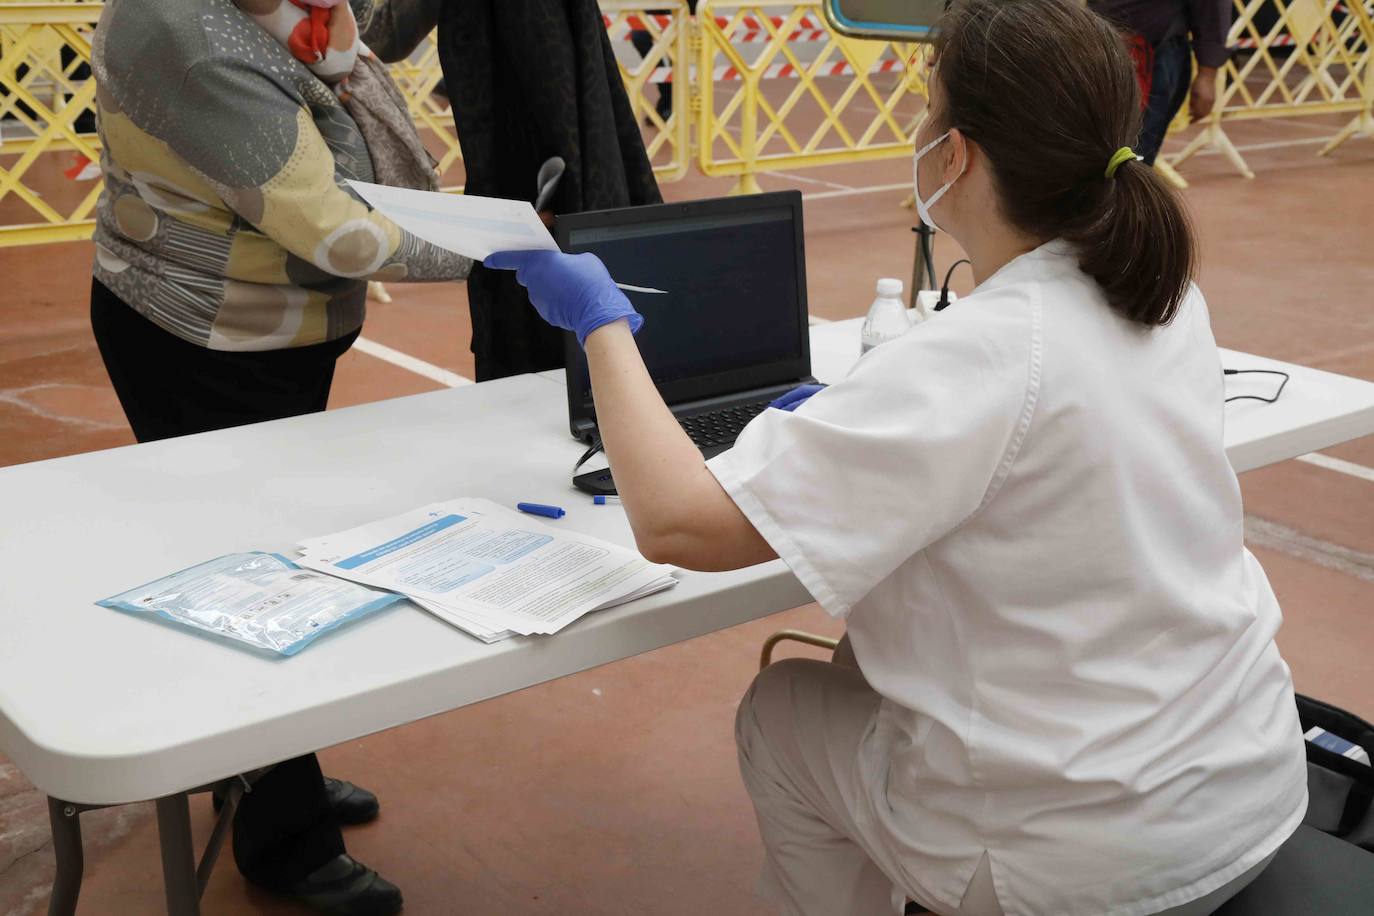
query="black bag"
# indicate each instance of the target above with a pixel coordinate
(1340, 790)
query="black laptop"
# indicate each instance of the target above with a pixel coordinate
(729, 334)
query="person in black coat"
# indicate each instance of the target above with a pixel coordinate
(531, 80)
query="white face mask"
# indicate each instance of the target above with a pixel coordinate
(923, 206)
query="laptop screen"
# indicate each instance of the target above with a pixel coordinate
(734, 313)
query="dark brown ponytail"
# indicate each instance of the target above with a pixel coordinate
(1047, 91)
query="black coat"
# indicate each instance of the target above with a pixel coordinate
(532, 79)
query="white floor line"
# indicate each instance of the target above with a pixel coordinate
(1275, 144)
(900, 116)
(1323, 359)
(1306, 125)
(875, 189)
(1264, 533)
(806, 180)
(1177, 146)
(1173, 145)
(1339, 465)
(410, 364)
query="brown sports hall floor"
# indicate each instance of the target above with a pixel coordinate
(615, 791)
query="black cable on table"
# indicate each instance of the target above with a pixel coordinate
(1256, 397)
(591, 452)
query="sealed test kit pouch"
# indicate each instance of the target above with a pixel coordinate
(261, 600)
(1340, 778)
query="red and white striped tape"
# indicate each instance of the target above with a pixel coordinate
(755, 24)
(728, 74)
(83, 169)
(638, 23)
(749, 29)
(753, 30)
(801, 35)
(1249, 43)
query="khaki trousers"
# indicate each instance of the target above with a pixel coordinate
(798, 730)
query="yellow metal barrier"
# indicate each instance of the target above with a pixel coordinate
(1313, 59)
(754, 86)
(1362, 125)
(663, 34)
(667, 30)
(776, 89)
(41, 102)
(42, 46)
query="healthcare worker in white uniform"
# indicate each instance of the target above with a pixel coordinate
(1067, 699)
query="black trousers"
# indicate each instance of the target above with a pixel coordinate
(168, 387)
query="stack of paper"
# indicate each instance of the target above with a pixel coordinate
(487, 570)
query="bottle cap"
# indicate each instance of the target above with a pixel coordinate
(889, 287)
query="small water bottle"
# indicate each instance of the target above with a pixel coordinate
(887, 318)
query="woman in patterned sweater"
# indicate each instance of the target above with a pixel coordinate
(231, 272)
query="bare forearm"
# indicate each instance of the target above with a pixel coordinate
(679, 512)
(645, 444)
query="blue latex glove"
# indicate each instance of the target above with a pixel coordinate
(570, 291)
(796, 397)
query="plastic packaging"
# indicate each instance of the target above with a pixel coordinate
(887, 316)
(262, 600)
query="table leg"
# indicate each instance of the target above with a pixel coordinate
(178, 855)
(224, 825)
(66, 844)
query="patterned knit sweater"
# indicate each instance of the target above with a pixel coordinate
(225, 219)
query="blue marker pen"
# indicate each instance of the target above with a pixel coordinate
(604, 500)
(542, 510)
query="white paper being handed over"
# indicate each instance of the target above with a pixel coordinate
(500, 569)
(471, 226)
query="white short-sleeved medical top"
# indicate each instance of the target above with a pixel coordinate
(1024, 509)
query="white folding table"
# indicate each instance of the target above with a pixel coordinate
(98, 708)
(1316, 410)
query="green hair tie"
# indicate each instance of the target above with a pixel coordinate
(1123, 155)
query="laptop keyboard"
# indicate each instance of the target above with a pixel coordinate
(721, 427)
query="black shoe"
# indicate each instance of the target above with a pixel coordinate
(346, 887)
(350, 804)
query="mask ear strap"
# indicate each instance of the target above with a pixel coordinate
(931, 145)
(963, 167)
(935, 198)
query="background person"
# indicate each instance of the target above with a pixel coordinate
(1067, 697)
(643, 42)
(230, 275)
(1166, 36)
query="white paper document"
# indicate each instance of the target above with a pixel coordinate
(467, 225)
(487, 569)
(471, 226)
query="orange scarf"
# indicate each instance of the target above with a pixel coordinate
(309, 40)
